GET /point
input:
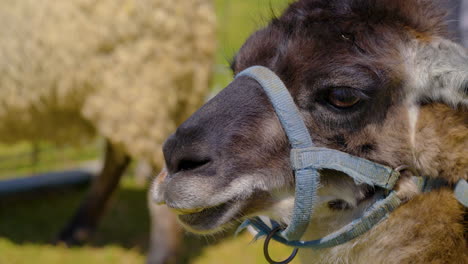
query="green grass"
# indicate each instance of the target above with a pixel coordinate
(31, 253)
(237, 20)
(28, 223)
(36, 217)
(242, 250)
(18, 160)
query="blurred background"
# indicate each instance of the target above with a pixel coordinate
(29, 221)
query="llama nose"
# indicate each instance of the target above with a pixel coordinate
(183, 155)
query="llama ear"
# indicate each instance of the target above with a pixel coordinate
(438, 73)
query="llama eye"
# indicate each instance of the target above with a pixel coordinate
(343, 97)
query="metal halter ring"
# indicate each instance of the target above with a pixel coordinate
(406, 168)
(267, 254)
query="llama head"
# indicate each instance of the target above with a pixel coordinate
(375, 79)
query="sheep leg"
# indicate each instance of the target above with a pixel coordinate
(169, 244)
(165, 237)
(91, 209)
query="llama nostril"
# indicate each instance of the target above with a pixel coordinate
(183, 152)
(189, 164)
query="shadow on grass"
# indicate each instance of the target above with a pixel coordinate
(36, 218)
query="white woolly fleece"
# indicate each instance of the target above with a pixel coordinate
(130, 69)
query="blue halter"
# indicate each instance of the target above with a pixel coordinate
(306, 160)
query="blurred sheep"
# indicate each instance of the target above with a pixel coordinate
(128, 70)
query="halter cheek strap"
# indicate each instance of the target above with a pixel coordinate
(307, 179)
(307, 159)
(461, 192)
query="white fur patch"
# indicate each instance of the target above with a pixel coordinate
(413, 113)
(282, 209)
(436, 71)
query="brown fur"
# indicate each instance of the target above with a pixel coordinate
(429, 223)
(428, 229)
(442, 142)
(437, 229)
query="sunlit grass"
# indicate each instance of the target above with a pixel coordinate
(19, 159)
(29, 223)
(242, 250)
(237, 20)
(12, 253)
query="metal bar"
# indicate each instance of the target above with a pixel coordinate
(47, 181)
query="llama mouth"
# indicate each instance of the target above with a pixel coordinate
(211, 219)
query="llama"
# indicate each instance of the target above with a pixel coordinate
(379, 80)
